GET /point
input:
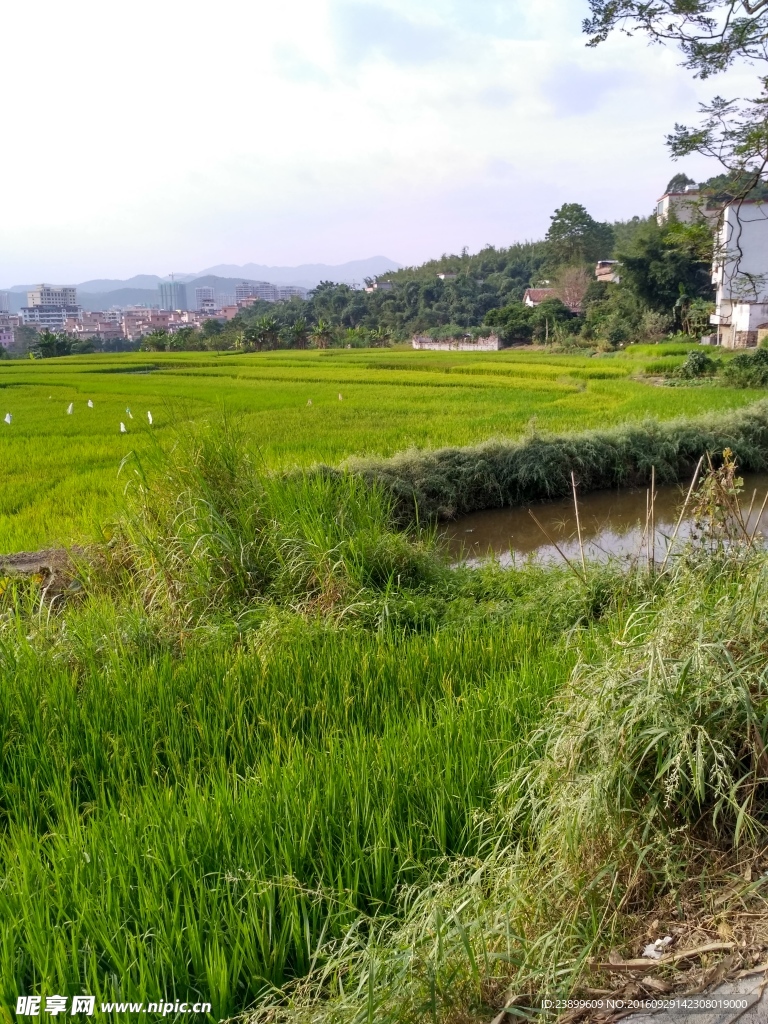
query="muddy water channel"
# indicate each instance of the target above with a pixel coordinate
(612, 525)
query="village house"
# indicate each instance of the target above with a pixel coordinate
(687, 205)
(740, 275)
(607, 272)
(535, 296)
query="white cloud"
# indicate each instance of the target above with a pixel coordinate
(175, 135)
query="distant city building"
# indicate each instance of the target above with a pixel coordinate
(138, 322)
(5, 302)
(261, 291)
(50, 306)
(6, 336)
(290, 291)
(173, 295)
(52, 318)
(205, 300)
(94, 325)
(52, 295)
(255, 290)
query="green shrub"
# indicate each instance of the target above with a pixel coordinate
(698, 364)
(747, 370)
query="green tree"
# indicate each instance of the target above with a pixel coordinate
(664, 263)
(84, 346)
(678, 183)
(186, 339)
(576, 237)
(49, 344)
(711, 35)
(547, 316)
(512, 322)
(155, 341)
(24, 339)
(263, 333)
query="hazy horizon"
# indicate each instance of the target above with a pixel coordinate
(322, 131)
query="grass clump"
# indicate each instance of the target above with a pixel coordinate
(208, 532)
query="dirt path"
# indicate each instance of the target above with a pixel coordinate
(28, 563)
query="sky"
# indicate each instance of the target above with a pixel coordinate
(173, 135)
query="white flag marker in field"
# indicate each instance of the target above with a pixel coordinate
(122, 428)
(90, 404)
(70, 407)
(149, 417)
(340, 398)
(130, 414)
(8, 418)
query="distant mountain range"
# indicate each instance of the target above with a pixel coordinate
(143, 288)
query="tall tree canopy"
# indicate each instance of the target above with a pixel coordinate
(574, 236)
(712, 35)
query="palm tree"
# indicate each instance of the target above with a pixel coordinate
(322, 334)
(381, 337)
(298, 333)
(263, 333)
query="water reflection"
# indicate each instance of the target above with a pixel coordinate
(612, 524)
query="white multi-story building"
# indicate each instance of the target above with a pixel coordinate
(285, 292)
(740, 274)
(54, 318)
(52, 295)
(255, 290)
(5, 302)
(687, 205)
(6, 336)
(205, 299)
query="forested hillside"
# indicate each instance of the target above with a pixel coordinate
(664, 288)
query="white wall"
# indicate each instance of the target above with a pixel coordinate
(741, 260)
(491, 344)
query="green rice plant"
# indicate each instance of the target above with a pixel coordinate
(59, 480)
(650, 764)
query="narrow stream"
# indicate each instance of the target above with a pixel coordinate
(612, 524)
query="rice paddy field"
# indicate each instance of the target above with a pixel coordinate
(271, 751)
(59, 473)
